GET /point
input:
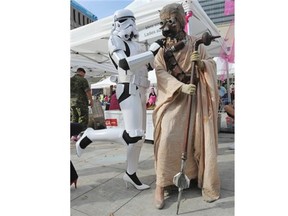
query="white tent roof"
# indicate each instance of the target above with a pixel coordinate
(103, 84)
(91, 41)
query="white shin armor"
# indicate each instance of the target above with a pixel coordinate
(133, 154)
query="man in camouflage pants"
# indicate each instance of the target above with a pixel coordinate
(80, 98)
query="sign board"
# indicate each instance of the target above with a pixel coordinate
(149, 32)
(111, 123)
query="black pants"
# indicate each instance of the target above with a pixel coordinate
(73, 173)
(75, 129)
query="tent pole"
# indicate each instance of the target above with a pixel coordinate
(228, 80)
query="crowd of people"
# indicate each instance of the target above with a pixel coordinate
(110, 102)
(225, 96)
(177, 104)
(227, 101)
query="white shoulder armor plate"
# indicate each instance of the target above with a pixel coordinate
(115, 43)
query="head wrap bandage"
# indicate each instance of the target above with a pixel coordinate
(174, 10)
(173, 22)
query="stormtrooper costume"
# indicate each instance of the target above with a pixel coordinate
(132, 83)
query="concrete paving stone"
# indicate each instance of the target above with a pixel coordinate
(102, 191)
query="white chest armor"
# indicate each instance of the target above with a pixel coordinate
(118, 50)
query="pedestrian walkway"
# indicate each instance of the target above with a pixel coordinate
(102, 192)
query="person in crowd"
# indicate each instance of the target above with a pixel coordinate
(114, 105)
(232, 91)
(80, 98)
(223, 96)
(101, 98)
(107, 102)
(222, 90)
(106, 98)
(170, 116)
(230, 110)
(131, 87)
(151, 99)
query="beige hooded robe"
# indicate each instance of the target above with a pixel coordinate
(170, 121)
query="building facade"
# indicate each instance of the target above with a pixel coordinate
(215, 9)
(79, 16)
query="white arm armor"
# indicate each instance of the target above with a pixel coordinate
(116, 48)
(141, 59)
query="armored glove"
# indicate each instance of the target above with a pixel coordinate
(188, 89)
(124, 64)
(195, 57)
(154, 47)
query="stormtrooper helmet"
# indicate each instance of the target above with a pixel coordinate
(124, 24)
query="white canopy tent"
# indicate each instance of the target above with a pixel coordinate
(89, 43)
(105, 83)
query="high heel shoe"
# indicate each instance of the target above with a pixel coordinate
(159, 203)
(73, 175)
(133, 179)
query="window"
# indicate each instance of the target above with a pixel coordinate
(74, 15)
(79, 20)
(83, 20)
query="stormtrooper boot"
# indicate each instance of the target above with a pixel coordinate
(111, 134)
(133, 153)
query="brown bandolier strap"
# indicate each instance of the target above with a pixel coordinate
(174, 68)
